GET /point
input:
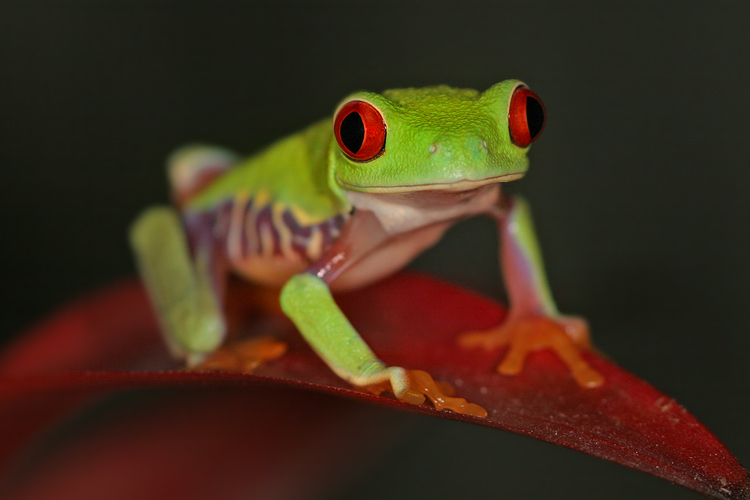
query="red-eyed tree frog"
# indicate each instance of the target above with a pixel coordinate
(348, 201)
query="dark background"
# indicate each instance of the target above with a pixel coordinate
(638, 183)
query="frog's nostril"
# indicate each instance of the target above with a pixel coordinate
(433, 148)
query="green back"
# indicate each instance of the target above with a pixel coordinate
(292, 172)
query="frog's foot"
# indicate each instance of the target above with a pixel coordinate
(245, 355)
(411, 386)
(565, 336)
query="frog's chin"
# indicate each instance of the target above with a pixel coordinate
(454, 187)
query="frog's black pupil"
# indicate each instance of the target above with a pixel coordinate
(352, 131)
(534, 116)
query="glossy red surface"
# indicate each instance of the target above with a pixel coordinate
(409, 320)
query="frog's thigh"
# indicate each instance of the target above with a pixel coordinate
(191, 168)
(181, 289)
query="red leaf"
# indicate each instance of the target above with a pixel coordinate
(198, 444)
(410, 321)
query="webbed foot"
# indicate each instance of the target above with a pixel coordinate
(566, 336)
(420, 384)
(245, 355)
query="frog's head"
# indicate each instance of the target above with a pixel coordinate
(435, 138)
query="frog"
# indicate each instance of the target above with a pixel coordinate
(344, 203)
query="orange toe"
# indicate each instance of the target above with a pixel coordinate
(244, 356)
(527, 335)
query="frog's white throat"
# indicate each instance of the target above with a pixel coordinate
(406, 211)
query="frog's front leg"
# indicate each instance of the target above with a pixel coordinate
(307, 300)
(533, 321)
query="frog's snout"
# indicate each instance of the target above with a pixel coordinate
(474, 147)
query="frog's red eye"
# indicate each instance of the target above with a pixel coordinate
(525, 117)
(360, 130)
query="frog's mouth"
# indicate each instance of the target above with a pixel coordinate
(450, 187)
(436, 198)
(407, 210)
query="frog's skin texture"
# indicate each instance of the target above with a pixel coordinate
(327, 209)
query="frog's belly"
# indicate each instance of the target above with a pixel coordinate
(394, 254)
(271, 270)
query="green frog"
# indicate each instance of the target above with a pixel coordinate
(346, 202)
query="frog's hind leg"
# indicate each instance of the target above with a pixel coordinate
(187, 288)
(191, 168)
(185, 291)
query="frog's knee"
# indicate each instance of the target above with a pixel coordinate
(151, 224)
(193, 167)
